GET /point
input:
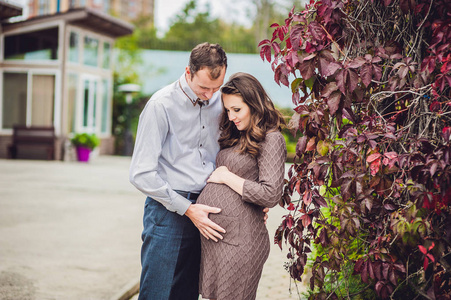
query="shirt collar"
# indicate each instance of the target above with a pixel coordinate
(183, 85)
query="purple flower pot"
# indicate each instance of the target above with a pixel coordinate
(83, 153)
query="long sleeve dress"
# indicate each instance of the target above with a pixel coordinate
(232, 267)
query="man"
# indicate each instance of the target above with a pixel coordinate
(175, 151)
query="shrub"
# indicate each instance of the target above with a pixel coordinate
(90, 141)
(372, 169)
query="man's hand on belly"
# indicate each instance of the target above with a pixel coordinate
(198, 214)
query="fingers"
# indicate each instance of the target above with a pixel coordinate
(265, 216)
(198, 213)
(211, 231)
(214, 210)
(208, 235)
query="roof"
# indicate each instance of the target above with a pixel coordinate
(82, 17)
(8, 10)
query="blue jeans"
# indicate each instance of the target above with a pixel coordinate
(170, 255)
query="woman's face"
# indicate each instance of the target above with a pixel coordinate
(238, 112)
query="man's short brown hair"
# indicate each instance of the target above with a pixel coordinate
(208, 55)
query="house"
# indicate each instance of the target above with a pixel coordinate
(56, 70)
(129, 10)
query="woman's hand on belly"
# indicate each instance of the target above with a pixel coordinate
(222, 175)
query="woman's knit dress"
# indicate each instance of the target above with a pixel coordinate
(231, 268)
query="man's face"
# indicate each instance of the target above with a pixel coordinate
(202, 84)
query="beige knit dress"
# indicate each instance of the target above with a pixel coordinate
(231, 268)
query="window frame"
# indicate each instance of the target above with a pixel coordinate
(37, 27)
(30, 73)
(100, 55)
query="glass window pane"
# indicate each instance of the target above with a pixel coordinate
(14, 99)
(72, 97)
(106, 55)
(73, 47)
(36, 45)
(90, 104)
(91, 51)
(42, 99)
(94, 105)
(44, 7)
(105, 110)
(86, 103)
(106, 6)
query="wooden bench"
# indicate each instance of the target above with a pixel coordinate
(30, 137)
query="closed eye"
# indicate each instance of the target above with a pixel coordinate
(234, 109)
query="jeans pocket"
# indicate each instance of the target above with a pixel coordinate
(231, 226)
(154, 211)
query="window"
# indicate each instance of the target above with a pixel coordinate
(106, 6)
(21, 108)
(73, 47)
(132, 9)
(105, 107)
(91, 50)
(42, 99)
(106, 55)
(73, 4)
(72, 87)
(36, 45)
(43, 7)
(89, 104)
(14, 99)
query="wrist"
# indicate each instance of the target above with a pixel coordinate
(189, 210)
(228, 178)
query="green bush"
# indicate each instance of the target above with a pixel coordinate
(87, 140)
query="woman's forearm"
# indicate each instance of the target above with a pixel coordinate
(234, 182)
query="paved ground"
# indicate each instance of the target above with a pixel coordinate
(71, 230)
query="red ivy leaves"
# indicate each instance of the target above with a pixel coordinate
(359, 99)
(427, 256)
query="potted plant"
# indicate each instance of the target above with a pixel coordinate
(84, 143)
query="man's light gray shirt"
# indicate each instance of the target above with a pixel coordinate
(176, 145)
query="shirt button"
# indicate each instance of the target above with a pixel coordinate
(203, 127)
(200, 145)
(203, 163)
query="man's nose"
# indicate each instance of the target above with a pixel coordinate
(209, 94)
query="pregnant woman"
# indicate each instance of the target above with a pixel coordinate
(249, 177)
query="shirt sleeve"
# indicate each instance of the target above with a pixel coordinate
(153, 128)
(267, 191)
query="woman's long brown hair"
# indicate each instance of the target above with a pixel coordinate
(264, 116)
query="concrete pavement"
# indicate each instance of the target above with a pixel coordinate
(71, 230)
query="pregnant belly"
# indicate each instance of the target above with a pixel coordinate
(219, 195)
